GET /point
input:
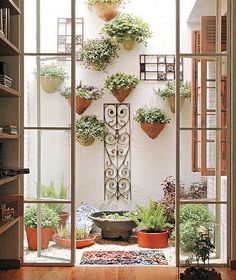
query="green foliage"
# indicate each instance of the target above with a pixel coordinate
(116, 216)
(65, 233)
(193, 219)
(169, 90)
(94, 2)
(151, 218)
(99, 53)
(84, 91)
(203, 248)
(49, 191)
(120, 80)
(53, 71)
(151, 115)
(128, 27)
(49, 218)
(90, 126)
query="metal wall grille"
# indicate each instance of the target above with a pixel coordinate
(117, 167)
(158, 67)
(64, 36)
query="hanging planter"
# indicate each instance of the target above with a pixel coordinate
(152, 120)
(51, 77)
(121, 85)
(128, 29)
(89, 129)
(84, 97)
(169, 93)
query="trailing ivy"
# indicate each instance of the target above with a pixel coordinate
(84, 91)
(120, 80)
(169, 90)
(151, 115)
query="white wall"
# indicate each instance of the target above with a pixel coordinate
(151, 160)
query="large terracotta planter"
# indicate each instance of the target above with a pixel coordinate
(107, 11)
(66, 243)
(128, 44)
(113, 228)
(31, 234)
(81, 104)
(171, 101)
(153, 240)
(121, 93)
(85, 140)
(50, 85)
(63, 218)
(152, 129)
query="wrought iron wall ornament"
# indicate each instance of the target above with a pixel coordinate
(158, 67)
(64, 36)
(117, 168)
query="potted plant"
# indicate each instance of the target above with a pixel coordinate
(89, 128)
(128, 29)
(154, 226)
(97, 54)
(106, 9)
(152, 120)
(51, 77)
(83, 238)
(84, 96)
(49, 222)
(203, 248)
(114, 224)
(49, 191)
(121, 84)
(169, 93)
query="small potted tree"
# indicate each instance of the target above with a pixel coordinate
(106, 9)
(89, 128)
(154, 226)
(97, 54)
(83, 237)
(128, 29)
(152, 120)
(49, 222)
(84, 96)
(169, 93)
(121, 84)
(51, 77)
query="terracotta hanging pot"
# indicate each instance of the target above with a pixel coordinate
(66, 243)
(50, 84)
(121, 93)
(152, 129)
(171, 101)
(128, 44)
(31, 234)
(153, 240)
(81, 104)
(107, 11)
(85, 140)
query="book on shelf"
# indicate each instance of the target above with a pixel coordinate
(5, 22)
(10, 129)
(5, 80)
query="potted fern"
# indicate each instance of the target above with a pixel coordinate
(51, 77)
(97, 54)
(128, 29)
(106, 9)
(169, 93)
(84, 96)
(154, 226)
(121, 84)
(152, 120)
(89, 128)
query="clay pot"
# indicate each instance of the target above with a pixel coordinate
(152, 129)
(66, 243)
(128, 44)
(171, 101)
(85, 140)
(107, 11)
(50, 85)
(153, 240)
(121, 93)
(63, 218)
(31, 234)
(81, 104)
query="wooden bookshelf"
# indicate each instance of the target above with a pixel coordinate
(10, 4)
(8, 92)
(6, 47)
(8, 136)
(8, 179)
(5, 225)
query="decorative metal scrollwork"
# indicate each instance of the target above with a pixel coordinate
(117, 172)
